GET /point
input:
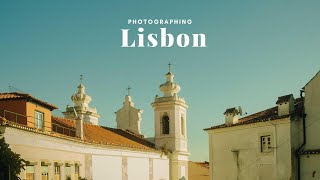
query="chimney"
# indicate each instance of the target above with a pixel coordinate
(79, 127)
(285, 104)
(231, 116)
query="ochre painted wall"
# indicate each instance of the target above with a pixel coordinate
(24, 108)
(31, 108)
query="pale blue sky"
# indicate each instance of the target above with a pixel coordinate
(257, 51)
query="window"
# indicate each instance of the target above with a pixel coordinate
(265, 143)
(165, 124)
(30, 172)
(57, 173)
(182, 126)
(39, 120)
(44, 173)
(76, 171)
(68, 171)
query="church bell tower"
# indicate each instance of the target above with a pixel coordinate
(170, 127)
(81, 107)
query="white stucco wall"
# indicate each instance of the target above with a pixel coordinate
(106, 167)
(312, 110)
(310, 164)
(97, 162)
(159, 172)
(310, 168)
(235, 152)
(138, 168)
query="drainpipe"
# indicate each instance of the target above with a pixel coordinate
(304, 136)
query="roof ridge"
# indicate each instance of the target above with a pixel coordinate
(264, 115)
(19, 95)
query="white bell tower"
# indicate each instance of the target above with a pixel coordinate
(81, 107)
(129, 117)
(170, 127)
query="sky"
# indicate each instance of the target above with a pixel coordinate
(256, 51)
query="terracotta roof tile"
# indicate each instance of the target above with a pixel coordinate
(198, 170)
(132, 136)
(262, 116)
(283, 99)
(93, 135)
(106, 135)
(230, 110)
(28, 97)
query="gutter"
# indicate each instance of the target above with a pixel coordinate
(304, 137)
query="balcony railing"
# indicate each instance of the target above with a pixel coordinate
(29, 121)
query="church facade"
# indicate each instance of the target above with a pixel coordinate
(76, 145)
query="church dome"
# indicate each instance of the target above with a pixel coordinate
(80, 96)
(169, 88)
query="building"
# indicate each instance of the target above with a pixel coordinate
(309, 152)
(276, 143)
(77, 146)
(81, 107)
(170, 112)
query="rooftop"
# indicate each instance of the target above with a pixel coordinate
(262, 116)
(93, 134)
(284, 99)
(104, 135)
(27, 97)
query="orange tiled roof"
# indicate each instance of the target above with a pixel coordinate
(28, 97)
(104, 135)
(198, 170)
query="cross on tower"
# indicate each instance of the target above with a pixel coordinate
(170, 66)
(128, 89)
(81, 78)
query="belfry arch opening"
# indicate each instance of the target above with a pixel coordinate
(165, 124)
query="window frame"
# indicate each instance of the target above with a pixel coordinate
(57, 172)
(76, 171)
(27, 172)
(265, 143)
(38, 122)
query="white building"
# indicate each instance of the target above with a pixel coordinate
(129, 117)
(170, 126)
(309, 154)
(277, 143)
(76, 146)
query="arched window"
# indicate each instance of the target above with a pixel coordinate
(165, 124)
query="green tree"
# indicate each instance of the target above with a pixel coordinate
(10, 162)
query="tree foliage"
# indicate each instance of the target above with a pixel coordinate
(10, 162)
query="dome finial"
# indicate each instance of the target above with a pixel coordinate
(169, 75)
(169, 88)
(128, 89)
(81, 78)
(169, 66)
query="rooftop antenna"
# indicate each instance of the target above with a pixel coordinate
(241, 111)
(14, 89)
